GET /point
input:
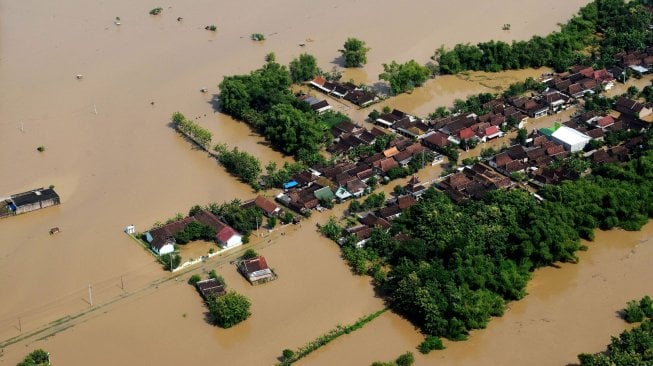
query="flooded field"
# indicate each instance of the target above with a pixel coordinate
(114, 160)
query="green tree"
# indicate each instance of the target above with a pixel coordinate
(354, 53)
(331, 229)
(303, 68)
(404, 77)
(272, 222)
(229, 310)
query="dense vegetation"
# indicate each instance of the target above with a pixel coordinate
(243, 220)
(632, 347)
(600, 30)
(465, 261)
(263, 99)
(239, 163)
(404, 77)
(229, 310)
(38, 357)
(191, 129)
(354, 52)
(303, 68)
(193, 231)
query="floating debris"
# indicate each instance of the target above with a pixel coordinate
(55, 230)
(204, 90)
(79, 76)
(179, 19)
(302, 44)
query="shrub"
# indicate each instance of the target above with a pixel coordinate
(633, 313)
(249, 254)
(272, 222)
(257, 37)
(38, 357)
(156, 11)
(430, 343)
(194, 279)
(406, 359)
(287, 217)
(211, 27)
(646, 304)
(40, 148)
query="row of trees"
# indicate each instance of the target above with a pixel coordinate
(601, 29)
(632, 347)
(464, 261)
(191, 129)
(239, 163)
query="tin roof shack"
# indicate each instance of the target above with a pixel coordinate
(256, 270)
(33, 200)
(210, 288)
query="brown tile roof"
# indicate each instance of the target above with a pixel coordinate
(161, 235)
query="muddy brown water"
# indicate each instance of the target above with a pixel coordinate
(114, 161)
(568, 310)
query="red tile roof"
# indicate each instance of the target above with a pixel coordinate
(466, 133)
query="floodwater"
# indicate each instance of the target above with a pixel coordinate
(115, 161)
(568, 310)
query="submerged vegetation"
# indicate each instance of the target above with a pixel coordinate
(156, 11)
(191, 129)
(632, 347)
(38, 357)
(354, 52)
(257, 37)
(289, 357)
(239, 163)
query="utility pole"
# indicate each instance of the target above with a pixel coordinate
(90, 295)
(95, 109)
(22, 127)
(122, 284)
(20, 325)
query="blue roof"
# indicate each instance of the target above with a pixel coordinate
(290, 184)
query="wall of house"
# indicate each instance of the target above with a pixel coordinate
(28, 208)
(166, 249)
(233, 241)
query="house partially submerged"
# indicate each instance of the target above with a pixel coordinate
(29, 201)
(210, 288)
(256, 270)
(268, 207)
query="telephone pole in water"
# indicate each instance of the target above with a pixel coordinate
(90, 295)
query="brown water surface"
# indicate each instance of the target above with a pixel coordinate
(115, 161)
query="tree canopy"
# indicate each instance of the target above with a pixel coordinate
(229, 310)
(404, 77)
(600, 30)
(354, 52)
(303, 68)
